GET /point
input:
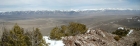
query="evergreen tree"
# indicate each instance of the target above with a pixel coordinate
(72, 29)
(17, 37)
(77, 28)
(28, 38)
(0, 42)
(4, 38)
(63, 29)
(38, 38)
(55, 33)
(121, 32)
(14, 37)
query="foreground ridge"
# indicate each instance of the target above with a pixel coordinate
(93, 38)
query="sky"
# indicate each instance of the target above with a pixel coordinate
(23, 5)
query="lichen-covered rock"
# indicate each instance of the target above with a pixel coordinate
(93, 38)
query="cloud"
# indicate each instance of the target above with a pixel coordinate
(62, 2)
(18, 2)
(66, 4)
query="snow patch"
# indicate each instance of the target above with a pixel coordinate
(121, 28)
(138, 20)
(88, 30)
(103, 34)
(129, 32)
(53, 42)
(129, 18)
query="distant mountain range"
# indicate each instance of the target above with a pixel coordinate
(64, 13)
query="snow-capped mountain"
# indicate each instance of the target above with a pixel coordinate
(48, 13)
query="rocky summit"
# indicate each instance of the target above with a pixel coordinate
(96, 37)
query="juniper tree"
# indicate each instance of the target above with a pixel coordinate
(67, 30)
(38, 38)
(17, 37)
(14, 37)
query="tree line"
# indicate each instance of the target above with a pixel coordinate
(17, 36)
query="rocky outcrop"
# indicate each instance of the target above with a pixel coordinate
(93, 38)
